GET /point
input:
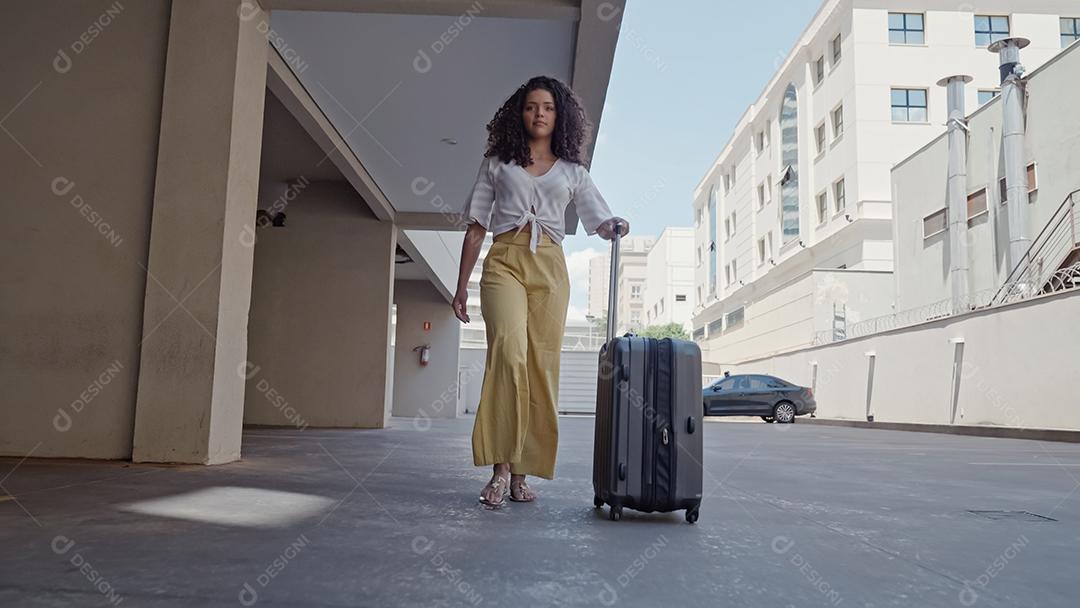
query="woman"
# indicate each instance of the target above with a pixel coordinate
(531, 171)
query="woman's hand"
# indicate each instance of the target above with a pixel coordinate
(606, 230)
(460, 305)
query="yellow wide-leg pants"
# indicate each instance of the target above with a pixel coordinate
(523, 298)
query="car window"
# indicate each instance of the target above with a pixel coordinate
(771, 382)
(726, 384)
(757, 383)
(742, 383)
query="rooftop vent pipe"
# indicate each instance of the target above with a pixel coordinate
(957, 189)
(1012, 139)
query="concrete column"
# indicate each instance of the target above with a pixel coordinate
(320, 314)
(190, 399)
(426, 391)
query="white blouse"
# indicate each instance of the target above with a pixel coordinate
(505, 196)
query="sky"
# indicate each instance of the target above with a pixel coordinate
(684, 73)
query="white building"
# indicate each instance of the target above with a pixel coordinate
(669, 279)
(633, 254)
(794, 218)
(1051, 219)
(597, 285)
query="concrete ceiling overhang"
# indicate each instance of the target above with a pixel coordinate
(398, 81)
(384, 86)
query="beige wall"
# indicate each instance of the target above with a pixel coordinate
(320, 314)
(913, 377)
(429, 391)
(79, 178)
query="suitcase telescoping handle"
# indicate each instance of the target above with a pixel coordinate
(613, 284)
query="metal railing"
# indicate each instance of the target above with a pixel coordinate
(1044, 257)
(1039, 272)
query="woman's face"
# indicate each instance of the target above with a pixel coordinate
(539, 114)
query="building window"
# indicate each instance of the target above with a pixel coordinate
(1032, 180)
(840, 195)
(680, 297)
(1070, 30)
(727, 275)
(907, 28)
(735, 271)
(727, 228)
(838, 122)
(712, 240)
(822, 207)
(734, 319)
(699, 333)
(759, 142)
(716, 326)
(976, 204)
(635, 292)
(837, 49)
(909, 105)
(985, 95)
(819, 70)
(819, 139)
(934, 223)
(727, 183)
(789, 181)
(761, 251)
(989, 29)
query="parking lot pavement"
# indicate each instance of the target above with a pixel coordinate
(794, 515)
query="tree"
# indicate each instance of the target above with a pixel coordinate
(671, 330)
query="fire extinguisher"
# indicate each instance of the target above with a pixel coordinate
(425, 353)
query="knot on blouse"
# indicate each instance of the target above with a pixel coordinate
(534, 231)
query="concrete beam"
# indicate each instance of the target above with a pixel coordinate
(557, 10)
(190, 399)
(288, 89)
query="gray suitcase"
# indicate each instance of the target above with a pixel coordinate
(647, 450)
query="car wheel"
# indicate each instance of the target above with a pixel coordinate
(769, 419)
(784, 412)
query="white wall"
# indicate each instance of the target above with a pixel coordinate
(914, 369)
(669, 271)
(1053, 144)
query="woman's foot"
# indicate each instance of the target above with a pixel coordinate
(519, 490)
(494, 493)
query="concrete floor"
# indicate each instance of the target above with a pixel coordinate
(794, 515)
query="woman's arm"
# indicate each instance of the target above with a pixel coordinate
(470, 251)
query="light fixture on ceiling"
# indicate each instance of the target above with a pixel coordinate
(450, 141)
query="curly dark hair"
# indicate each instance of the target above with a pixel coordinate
(508, 139)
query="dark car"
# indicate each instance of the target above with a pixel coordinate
(773, 399)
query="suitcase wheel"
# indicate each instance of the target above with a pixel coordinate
(691, 515)
(597, 502)
(615, 514)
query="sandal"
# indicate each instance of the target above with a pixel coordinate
(501, 486)
(523, 492)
